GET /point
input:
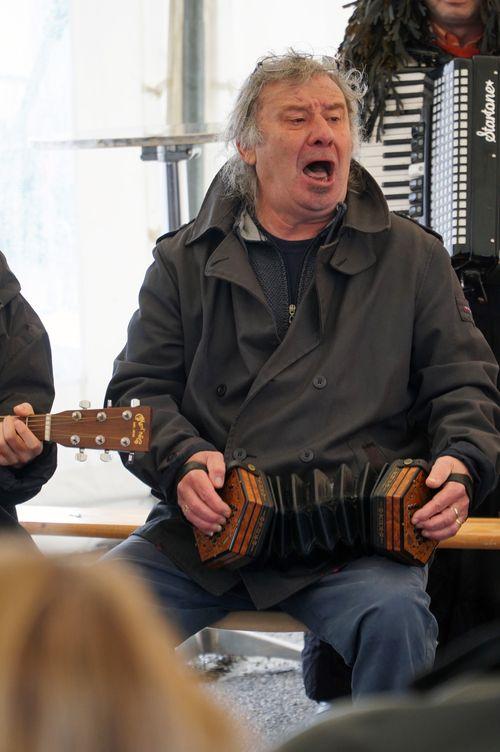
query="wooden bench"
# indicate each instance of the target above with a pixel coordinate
(83, 522)
(476, 532)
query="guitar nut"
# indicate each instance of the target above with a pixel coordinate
(127, 415)
(125, 441)
(101, 416)
(75, 440)
(99, 440)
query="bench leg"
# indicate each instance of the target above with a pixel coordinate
(233, 642)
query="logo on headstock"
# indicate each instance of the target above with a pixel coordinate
(138, 429)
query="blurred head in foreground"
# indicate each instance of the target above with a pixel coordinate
(86, 665)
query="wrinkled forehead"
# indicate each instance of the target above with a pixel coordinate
(319, 89)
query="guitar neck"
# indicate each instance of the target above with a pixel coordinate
(126, 429)
(38, 424)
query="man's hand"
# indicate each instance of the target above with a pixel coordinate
(445, 513)
(196, 495)
(18, 445)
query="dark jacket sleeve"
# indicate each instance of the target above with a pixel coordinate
(151, 368)
(25, 376)
(455, 375)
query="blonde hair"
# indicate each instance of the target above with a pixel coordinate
(86, 665)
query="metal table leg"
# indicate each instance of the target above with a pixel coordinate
(171, 156)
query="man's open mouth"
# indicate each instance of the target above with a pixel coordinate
(319, 170)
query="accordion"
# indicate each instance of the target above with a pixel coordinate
(455, 165)
(290, 518)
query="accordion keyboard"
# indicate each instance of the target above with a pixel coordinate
(388, 160)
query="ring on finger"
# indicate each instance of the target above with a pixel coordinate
(185, 508)
(457, 516)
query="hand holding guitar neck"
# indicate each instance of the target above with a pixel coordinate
(125, 429)
(18, 445)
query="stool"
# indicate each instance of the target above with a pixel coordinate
(241, 633)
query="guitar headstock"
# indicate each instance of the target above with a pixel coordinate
(125, 429)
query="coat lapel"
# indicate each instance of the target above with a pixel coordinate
(230, 262)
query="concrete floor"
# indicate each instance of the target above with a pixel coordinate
(265, 694)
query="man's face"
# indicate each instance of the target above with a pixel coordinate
(303, 163)
(450, 13)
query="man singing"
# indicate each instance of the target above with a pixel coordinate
(297, 324)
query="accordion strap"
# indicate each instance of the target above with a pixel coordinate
(464, 480)
(185, 469)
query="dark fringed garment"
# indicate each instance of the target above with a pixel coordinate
(383, 36)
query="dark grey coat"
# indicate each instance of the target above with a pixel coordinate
(382, 360)
(25, 376)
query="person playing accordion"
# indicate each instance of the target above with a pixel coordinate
(297, 325)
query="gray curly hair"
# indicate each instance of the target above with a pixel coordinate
(296, 67)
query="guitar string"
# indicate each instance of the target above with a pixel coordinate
(68, 422)
(113, 415)
(59, 432)
(58, 424)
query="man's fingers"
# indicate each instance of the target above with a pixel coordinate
(452, 494)
(447, 523)
(192, 501)
(28, 438)
(197, 493)
(199, 515)
(200, 523)
(443, 516)
(216, 468)
(441, 469)
(201, 483)
(431, 519)
(23, 410)
(448, 531)
(18, 445)
(448, 518)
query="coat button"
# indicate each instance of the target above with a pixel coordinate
(306, 455)
(319, 382)
(239, 454)
(221, 390)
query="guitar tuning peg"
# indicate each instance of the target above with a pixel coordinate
(109, 403)
(135, 402)
(80, 456)
(84, 404)
(105, 456)
(130, 458)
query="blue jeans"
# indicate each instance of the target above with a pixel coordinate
(374, 612)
